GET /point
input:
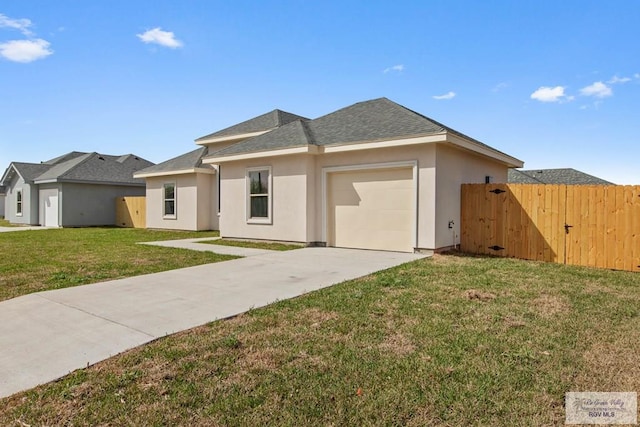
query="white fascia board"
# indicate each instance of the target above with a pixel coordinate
(8, 171)
(461, 142)
(213, 140)
(440, 137)
(309, 149)
(209, 171)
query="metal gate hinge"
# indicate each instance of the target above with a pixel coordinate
(497, 191)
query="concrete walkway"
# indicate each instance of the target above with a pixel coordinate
(208, 247)
(45, 335)
(26, 228)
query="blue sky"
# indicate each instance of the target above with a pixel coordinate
(553, 83)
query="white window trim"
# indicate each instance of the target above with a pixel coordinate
(175, 200)
(268, 219)
(19, 191)
(413, 164)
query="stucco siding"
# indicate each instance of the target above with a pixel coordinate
(186, 202)
(28, 217)
(90, 204)
(456, 167)
(289, 188)
(207, 218)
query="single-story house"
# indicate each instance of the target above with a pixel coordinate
(74, 190)
(374, 175)
(2, 197)
(554, 176)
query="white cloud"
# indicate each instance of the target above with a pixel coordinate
(551, 94)
(448, 95)
(637, 75)
(25, 50)
(597, 89)
(399, 68)
(616, 79)
(163, 38)
(21, 25)
(500, 86)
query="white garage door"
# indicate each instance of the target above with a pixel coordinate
(371, 209)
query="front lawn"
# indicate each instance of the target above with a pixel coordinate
(39, 260)
(450, 341)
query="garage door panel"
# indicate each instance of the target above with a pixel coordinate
(371, 209)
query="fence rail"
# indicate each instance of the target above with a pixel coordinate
(131, 211)
(591, 225)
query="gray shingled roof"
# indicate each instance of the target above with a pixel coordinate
(553, 176)
(374, 120)
(190, 160)
(29, 171)
(267, 121)
(294, 134)
(64, 157)
(84, 167)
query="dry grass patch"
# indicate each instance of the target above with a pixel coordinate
(398, 344)
(550, 305)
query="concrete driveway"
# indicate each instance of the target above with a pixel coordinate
(45, 335)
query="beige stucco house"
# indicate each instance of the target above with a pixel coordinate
(374, 175)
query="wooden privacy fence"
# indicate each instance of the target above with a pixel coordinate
(591, 225)
(131, 211)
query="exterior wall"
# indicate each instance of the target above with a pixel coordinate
(29, 203)
(298, 191)
(196, 202)
(455, 167)
(425, 157)
(2, 205)
(207, 214)
(289, 187)
(91, 204)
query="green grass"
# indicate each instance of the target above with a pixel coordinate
(40, 260)
(6, 223)
(273, 246)
(446, 341)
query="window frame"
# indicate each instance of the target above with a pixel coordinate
(174, 200)
(269, 194)
(20, 202)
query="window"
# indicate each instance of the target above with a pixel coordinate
(259, 195)
(19, 203)
(169, 200)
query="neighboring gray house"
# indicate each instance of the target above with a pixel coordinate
(2, 192)
(554, 176)
(74, 190)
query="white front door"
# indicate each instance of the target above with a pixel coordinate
(50, 210)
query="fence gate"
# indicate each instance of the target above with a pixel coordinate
(591, 225)
(131, 211)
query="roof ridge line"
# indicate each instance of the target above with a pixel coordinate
(306, 131)
(88, 156)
